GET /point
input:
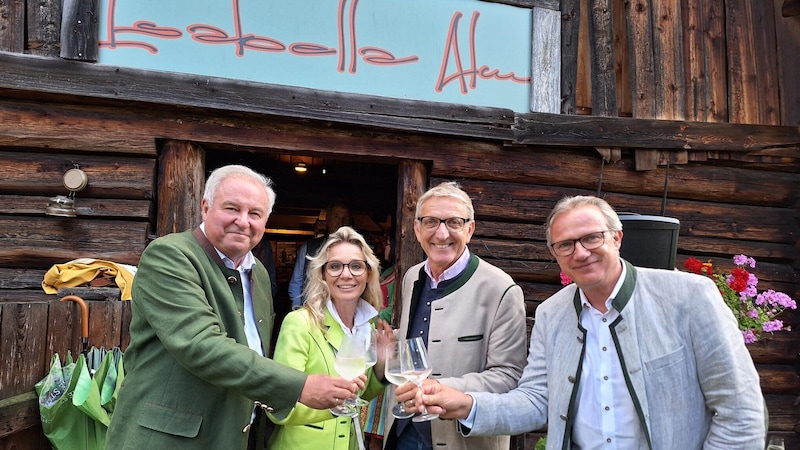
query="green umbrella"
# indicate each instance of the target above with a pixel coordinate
(76, 399)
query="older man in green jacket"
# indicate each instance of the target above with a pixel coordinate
(202, 320)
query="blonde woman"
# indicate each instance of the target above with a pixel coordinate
(342, 297)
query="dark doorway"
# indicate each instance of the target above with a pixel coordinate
(367, 186)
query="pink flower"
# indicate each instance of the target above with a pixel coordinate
(565, 280)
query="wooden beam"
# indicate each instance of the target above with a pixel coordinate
(181, 180)
(604, 80)
(18, 413)
(27, 76)
(12, 24)
(570, 32)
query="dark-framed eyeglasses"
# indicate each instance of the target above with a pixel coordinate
(431, 223)
(356, 267)
(590, 242)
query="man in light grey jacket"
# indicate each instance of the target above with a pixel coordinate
(633, 357)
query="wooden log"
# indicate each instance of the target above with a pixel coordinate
(784, 415)
(788, 47)
(41, 242)
(412, 181)
(12, 26)
(659, 134)
(79, 30)
(44, 27)
(84, 207)
(18, 413)
(181, 180)
(531, 204)
(601, 36)
(116, 84)
(40, 173)
(21, 279)
(778, 379)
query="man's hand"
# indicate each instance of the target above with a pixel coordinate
(448, 402)
(324, 391)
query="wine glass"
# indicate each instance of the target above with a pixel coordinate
(370, 358)
(416, 368)
(350, 362)
(393, 372)
(776, 443)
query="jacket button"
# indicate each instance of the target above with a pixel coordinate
(571, 379)
(563, 417)
(231, 280)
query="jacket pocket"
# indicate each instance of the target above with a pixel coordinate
(170, 421)
(472, 338)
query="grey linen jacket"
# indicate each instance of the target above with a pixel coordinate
(692, 380)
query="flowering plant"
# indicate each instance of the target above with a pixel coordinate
(755, 311)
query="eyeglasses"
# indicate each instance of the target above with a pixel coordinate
(356, 267)
(589, 242)
(454, 224)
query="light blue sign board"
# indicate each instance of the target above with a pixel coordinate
(458, 51)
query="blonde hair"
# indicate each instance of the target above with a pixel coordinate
(316, 291)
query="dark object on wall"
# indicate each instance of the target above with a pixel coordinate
(649, 241)
(79, 30)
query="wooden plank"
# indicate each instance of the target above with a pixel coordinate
(743, 96)
(545, 61)
(21, 279)
(40, 173)
(12, 26)
(47, 240)
(44, 27)
(80, 30)
(787, 34)
(25, 76)
(580, 171)
(694, 59)
(22, 347)
(84, 207)
(541, 129)
(766, 60)
(181, 180)
(63, 329)
(668, 57)
(570, 32)
(778, 379)
(621, 57)
(18, 413)
(601, 36)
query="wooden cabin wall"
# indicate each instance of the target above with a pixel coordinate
(700, 60)
(725, 208)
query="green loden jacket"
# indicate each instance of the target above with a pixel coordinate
(191, 380)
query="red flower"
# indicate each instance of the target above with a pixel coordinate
(694, 265)
(738, 279)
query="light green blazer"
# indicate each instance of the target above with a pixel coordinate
(304, 346)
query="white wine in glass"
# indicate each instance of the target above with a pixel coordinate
(416, 368)
(393, 372)
(350, 362)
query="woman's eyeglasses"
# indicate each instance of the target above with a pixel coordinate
(356, 267)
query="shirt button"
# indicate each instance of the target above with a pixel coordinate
(605, 320)
(428, 304)
(605, 378)
(607, 408)
(608, 440)
(425, 319)
(605, 348)
(421, 333)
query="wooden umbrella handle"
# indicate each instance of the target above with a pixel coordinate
(84, 318)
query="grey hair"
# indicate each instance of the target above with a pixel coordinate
(223, 173)
(448, 189)
(316, 292)
(569, 203)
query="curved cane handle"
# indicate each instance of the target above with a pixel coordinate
(84, 318)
